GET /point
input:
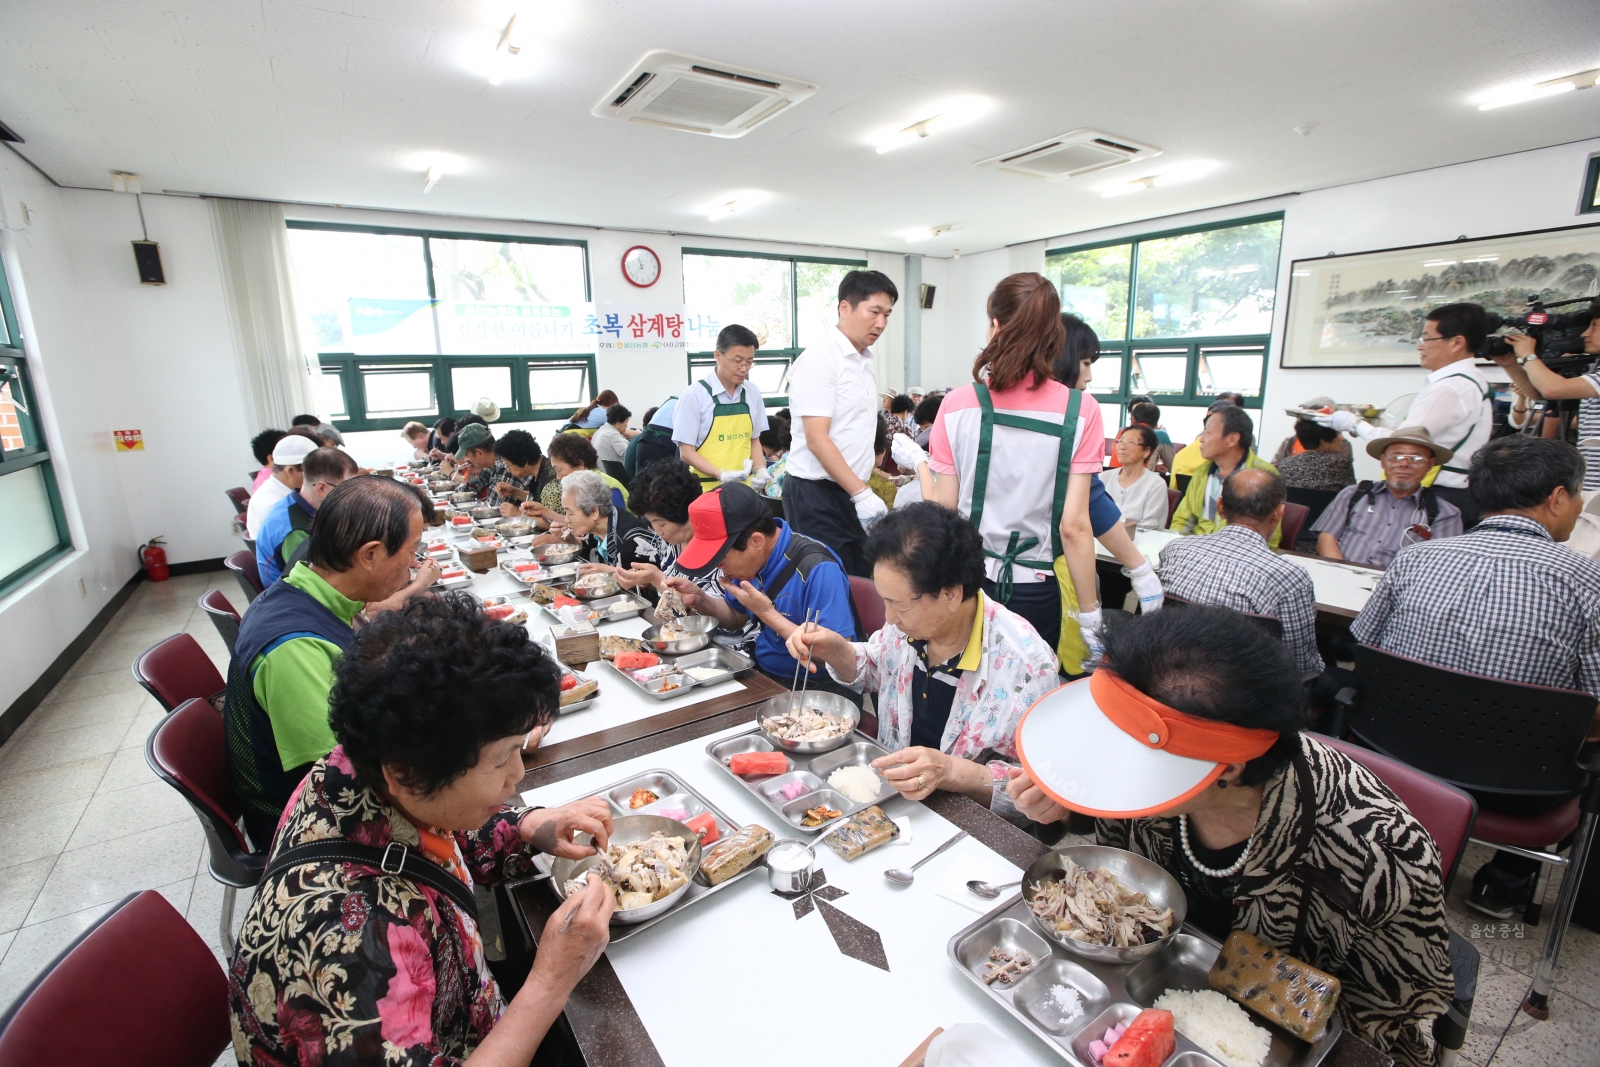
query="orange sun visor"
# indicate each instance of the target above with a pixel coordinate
(1155, 725)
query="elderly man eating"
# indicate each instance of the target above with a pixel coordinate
(952, 671)
(1369, 522)
(1226, 444)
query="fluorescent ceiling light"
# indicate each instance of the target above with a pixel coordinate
(924, 233)
(435, 173)
(1517, 94)
(937, 118)
(735, 203)
(1182, 172)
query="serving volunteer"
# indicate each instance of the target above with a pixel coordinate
(719, 418)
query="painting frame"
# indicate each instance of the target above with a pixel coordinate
(1335, 303)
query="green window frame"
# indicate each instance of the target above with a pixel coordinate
(1137, 357)
(354, 371)
(23, 447)
(699, 362)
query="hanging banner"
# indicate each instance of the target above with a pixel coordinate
(657, 328)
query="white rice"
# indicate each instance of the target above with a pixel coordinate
(860, 784)
(1217, 1025)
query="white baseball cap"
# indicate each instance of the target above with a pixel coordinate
(293, 450)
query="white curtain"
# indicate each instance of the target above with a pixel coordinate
(889, 366)
(273, 368)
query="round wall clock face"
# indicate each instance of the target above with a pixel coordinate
(641, 266)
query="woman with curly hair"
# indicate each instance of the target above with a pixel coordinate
(375, 956)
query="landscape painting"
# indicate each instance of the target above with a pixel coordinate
(1367, 309)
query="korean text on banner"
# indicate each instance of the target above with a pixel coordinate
(639, 328)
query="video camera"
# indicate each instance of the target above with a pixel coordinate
(1559, 335)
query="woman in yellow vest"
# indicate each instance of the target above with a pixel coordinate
(720, 418)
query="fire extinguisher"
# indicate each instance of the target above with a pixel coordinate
(154, 558)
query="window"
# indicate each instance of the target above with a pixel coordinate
(1590, 201)
(33, 526)
(1181, 316)
(789, 302)
(411, 324)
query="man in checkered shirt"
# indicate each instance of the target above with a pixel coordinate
(1468, 603)
(1234, 568)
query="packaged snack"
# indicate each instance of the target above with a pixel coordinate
(862, 832)
(1275, 985)
(735, 852)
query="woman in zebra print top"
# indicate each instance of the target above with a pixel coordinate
(1292, 842)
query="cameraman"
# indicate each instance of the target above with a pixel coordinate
(1533, 379)
(1456, 406)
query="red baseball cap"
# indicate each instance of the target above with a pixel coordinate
(718, 517)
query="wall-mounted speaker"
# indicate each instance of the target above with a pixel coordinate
(927, 296)
(147, 254)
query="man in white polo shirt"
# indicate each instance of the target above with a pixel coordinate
(834, 393)
(288, 474)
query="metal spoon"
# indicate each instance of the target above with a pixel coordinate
(987, 891)
(902, 877)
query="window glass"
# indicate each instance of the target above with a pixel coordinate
(508, 296)
(1111, 419)
(398, 391)
(469, 384)
(1230, 370)
(17, 428)
(1159, 370)
(365, 293)
(816, 290)
(1212, 282)
(562, 385)
(329, 386)
(746, 290)
(1105, 374)
(27, 521)
(771, 378)
(1094, 286)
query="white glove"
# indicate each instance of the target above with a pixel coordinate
(908, 455)
(759, 480)
(1089, 625)
(1343, 421)
(1148, 586)
(737, 475)
(869, 507)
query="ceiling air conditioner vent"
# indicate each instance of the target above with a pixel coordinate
(1071, 154)
(685, 93)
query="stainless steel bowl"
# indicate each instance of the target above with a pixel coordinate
(799, 879)
(515, 527)
(557, 553)
(442, 485)
(593, 588)
(626, 829)
(830, 704)
(463, 498)
(699, 629)
(1134, 871)
(485, 512)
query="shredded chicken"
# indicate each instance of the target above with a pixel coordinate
(1005, 968)
(640, 872)
(1093, 907)
(806, 725)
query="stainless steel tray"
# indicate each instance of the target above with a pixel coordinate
(615, 608)
(562, 574)
(811, 771)
(734, 662)
(1112, 992)
(586, 701)
(674, 793)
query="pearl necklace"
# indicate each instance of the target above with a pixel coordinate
(1228, 872)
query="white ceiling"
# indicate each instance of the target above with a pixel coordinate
(346, 101)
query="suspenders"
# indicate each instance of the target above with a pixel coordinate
(1488, 394)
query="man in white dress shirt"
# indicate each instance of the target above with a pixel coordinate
(1456, 406)
(834, 393)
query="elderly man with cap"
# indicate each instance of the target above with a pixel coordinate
(769, 573)
(289, 522)
(476, 465)
(1370, 521)
(287, 476)
(1187, 748)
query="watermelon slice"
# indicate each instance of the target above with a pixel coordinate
(523, 568)
(1149, 1040)
(569, 681)
(570, 602)
(500, 611)
(748, 764)
(631, 661)
(705, 827)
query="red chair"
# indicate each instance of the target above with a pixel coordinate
(868, 605)
(243, 566)
(188, 751)
(1294, 518)
(1173, 496)
(177, 669)
(220, 611)
(1447, 813)
(139, 988)
(1493, 737)
(240, 497)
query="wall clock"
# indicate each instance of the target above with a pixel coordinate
(641, 266)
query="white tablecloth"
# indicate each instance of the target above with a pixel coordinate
(620, 702)
(739, 980)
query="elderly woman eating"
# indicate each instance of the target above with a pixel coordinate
(1188, 750)
(953, 670)
(362, 943)
(612, 537)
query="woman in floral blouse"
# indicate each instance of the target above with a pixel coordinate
(339, 963)
(952, 670)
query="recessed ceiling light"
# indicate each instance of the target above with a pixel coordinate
(1182, 172)
(737, 202)
(924, 233)
(1516, 94)
(957, 111)
(432, 178)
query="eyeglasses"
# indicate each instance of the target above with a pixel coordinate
(1407, 458)
(737, 362)
(1424, 339)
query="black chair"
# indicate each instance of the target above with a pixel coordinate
(616, 470)
(1294, 519)
(1495, 738)
(243, 566)
(1173, 497)
(1269, 625)
(220, 611)
(1315, 501)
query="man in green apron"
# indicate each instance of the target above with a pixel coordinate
(720, 417)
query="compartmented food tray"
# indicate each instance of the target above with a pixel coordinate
(725, 661)
(809, 771)
(672, 793)
(1111, 993)
(609, 609)
(586, 701)
(560, 574)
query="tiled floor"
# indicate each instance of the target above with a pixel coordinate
(83, 822)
